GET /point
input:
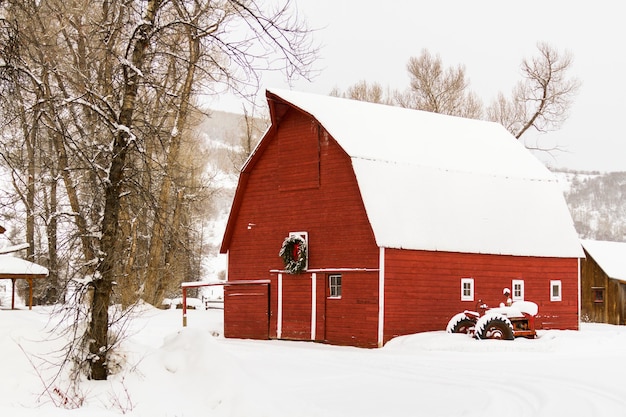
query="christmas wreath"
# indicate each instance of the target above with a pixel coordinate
(293, 252)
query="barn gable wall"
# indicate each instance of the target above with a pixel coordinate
(423, 288)
(278, 199)
(332, 213)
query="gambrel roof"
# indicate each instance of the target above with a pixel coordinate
(442, 183)
(610, 257)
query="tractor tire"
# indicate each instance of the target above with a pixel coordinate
(460, 323)
(496, 327)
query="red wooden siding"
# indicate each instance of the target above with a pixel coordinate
(246, 311)
(423, 288)
(296, 306)
(298, 166)
(353, 319)
(349, 320)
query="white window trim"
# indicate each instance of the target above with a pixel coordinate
(470, 296)
(334, 297)
(556, 283)
(520, 283)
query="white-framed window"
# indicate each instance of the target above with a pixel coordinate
(467, 289)
(334, 286)
(555, 290)
(517, 294)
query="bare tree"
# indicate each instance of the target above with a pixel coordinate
(252, 128)
(115, 86)
(542, 99)
(438, 89)
(24, 155)
(364, 91)
(197, 22)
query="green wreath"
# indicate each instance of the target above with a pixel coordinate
(293, 253)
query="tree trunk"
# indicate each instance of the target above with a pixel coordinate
(128, 292)
(31, 145)
(103, 282)
(51, 233)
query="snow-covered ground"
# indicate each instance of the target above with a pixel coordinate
(194, 371)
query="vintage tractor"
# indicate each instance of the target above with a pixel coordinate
(504, 322)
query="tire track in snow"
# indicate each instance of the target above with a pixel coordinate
(521, 378)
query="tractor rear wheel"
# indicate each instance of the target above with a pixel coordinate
(496, 327)
(460, 323)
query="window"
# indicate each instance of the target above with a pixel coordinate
(598, 294)
(467, 289)
(334, 286)
(518, 290)
(555, 290)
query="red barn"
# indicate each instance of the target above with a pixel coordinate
(399, 219)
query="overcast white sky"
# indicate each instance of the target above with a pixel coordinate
(372, 40)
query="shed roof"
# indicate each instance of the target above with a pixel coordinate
(13, 267)
(610, 256)
(435, 182)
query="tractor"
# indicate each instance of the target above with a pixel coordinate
(504, 323)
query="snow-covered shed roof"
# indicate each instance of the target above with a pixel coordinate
(610, 256)
(436, 182)
(12, 267)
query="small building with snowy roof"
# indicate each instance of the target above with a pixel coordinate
(603, 282)
(13, 268)
(388, 221)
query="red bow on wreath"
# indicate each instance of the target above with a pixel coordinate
(294, 254)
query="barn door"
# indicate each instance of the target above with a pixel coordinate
(246, 311)
(298, 307)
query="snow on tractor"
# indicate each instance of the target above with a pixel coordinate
(505, 322)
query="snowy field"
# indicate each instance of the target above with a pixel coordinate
(194, 371)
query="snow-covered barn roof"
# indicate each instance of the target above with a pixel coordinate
(436, 182)
(610, 256)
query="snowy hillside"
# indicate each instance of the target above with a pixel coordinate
(597, 202)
